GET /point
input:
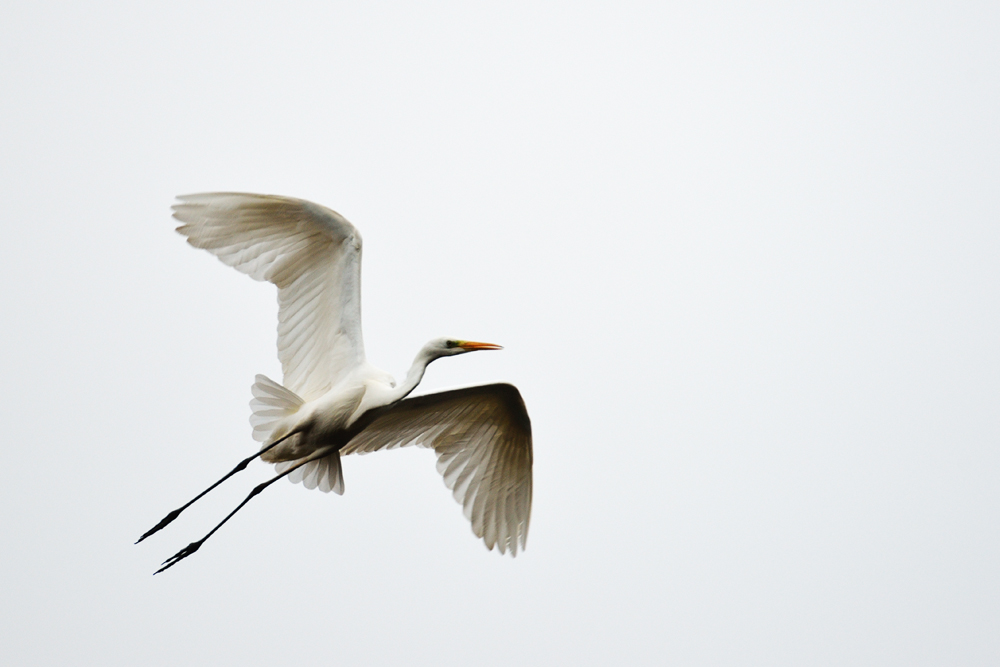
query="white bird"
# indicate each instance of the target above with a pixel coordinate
(332, 401)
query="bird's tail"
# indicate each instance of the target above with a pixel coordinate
(271, 403)
(324, 473)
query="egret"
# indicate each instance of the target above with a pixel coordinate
(332, 402)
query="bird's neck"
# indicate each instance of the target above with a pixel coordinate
(414, 375)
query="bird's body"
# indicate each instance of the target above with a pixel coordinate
(332, 401)
(322, 422)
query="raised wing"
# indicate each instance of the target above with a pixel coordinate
(312, 254)
(482, 436)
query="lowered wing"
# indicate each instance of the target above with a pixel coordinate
(482, 437)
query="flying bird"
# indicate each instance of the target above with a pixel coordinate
(332, 402)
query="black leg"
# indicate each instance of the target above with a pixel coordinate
(165, 521)
(194, 546)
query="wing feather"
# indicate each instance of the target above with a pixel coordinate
(482, 438)
(312, 254)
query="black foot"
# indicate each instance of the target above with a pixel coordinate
(164, 522)
(180, 555)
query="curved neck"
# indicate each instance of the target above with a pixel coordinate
(414, 375)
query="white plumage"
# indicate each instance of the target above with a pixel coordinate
(332, 402)
(313, 256)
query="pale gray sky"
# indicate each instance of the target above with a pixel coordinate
(743, 259)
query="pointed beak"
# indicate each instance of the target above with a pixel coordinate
(470, 346)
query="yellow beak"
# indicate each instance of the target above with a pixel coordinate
(471, 345)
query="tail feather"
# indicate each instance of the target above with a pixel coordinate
(324, 473)
(271, 403)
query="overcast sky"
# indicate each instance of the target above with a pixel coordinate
(743, 258)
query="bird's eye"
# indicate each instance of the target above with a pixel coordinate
(452, 343)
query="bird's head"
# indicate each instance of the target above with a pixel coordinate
(447, 347)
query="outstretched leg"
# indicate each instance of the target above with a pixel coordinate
(165, 521)
(194, 546)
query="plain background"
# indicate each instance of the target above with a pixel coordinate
(742, 256)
